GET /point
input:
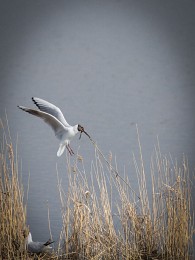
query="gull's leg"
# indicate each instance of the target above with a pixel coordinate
(70, 149)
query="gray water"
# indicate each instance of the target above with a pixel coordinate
(108, 65)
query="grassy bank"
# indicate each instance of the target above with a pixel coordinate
(103, 218)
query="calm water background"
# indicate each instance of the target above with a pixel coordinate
(108, 65)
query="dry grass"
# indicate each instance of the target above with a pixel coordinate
(103, 218)
(162, 230)
(12, 210)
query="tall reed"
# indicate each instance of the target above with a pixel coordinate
(103, 217)
(12, 209)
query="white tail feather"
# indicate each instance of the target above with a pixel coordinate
(61, 150)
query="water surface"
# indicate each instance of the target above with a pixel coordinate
(108, 65)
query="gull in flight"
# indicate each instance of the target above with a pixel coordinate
(38, 247)
(53, 116)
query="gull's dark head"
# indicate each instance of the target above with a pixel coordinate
(81, 130)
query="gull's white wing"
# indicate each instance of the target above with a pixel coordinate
(52, 121)
(49, 108)
(38, 247)
(35, 247)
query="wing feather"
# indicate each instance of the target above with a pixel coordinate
(49, 119)
(49, 108)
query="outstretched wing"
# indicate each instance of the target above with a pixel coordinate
(51, 109)
(52, 121)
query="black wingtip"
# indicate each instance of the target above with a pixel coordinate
(35, 102)
(49, 242)
(21, 108)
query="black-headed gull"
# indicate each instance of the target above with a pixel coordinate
(53, 116)
(38, 247)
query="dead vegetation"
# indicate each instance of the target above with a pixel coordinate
(103, 218)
